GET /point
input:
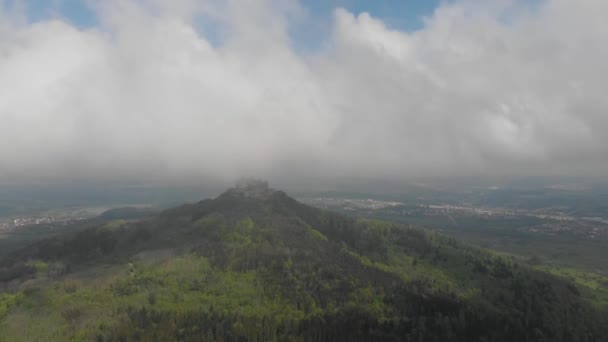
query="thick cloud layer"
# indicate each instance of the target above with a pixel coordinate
(200, 90)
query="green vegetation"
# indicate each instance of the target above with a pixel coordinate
(11, 241)
(267, 268)
(315, 234)
(513, 236)
(595, 285)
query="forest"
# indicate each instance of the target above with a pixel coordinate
(254, 264)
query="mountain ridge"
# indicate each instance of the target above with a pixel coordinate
(265, 267)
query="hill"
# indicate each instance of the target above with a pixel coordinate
(253, 264)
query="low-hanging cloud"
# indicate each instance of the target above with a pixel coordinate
(201, 90)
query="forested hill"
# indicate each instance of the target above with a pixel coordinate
(255, 265)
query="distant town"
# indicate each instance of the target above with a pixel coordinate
(16, 223)
(554, 222)
(53, 217)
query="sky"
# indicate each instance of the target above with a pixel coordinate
(404, 14)
(191, 91)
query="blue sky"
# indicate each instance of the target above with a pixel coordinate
(405, 15)
(76, 11)
(401, 14)
(307, 35)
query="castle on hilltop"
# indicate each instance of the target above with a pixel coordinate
(251, 187)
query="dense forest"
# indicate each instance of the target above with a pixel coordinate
(255, 265)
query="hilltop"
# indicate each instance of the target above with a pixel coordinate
(253, 264)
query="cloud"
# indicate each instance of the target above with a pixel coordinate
(214, 90)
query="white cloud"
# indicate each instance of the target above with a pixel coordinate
(493, 90)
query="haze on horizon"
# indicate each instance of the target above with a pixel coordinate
(186, 91)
